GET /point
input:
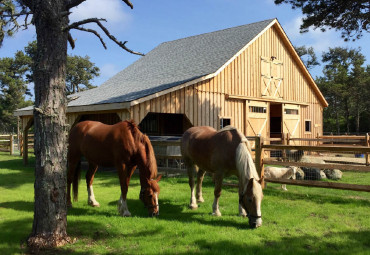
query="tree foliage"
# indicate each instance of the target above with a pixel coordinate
(17, 72)
(53, 29)
(346, 87)
(307, 55)
(13, 89)
(352, 18)
(80, 70)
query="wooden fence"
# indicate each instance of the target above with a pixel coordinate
(11, 143)
(262, 158)
(7, 143)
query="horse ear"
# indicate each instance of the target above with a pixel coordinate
(159, 177)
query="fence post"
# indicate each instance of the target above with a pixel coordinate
(11, 143)
(259, 158)
(284, 143)
(25, 147)
(368, 145)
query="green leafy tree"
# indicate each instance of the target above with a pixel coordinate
(344, 85)
(80, 70)
(53, 29)
(308, 56)
(352, 18)
(13, 89)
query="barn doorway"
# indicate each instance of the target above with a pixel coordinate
(164, 124)
(276, 120)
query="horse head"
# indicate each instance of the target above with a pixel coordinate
(251, 202)
(149, 196)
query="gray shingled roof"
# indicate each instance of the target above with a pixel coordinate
(171, 64)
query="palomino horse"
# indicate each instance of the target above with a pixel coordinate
(121, 145)
(223, 153)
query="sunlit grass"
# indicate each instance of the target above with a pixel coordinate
(303, 220)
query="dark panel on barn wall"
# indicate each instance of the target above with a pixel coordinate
(106, 118)
(164, 124)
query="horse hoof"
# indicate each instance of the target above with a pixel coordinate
(200, 200)
(126, 214)
(217, 214)
(193, 206)
(94, 204)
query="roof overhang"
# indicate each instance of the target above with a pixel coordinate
(82, 108)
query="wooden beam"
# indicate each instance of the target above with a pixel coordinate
(331, 148)
(237, 97)
(321, 184)
(356, 168)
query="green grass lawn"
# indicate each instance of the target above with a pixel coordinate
(302, 220)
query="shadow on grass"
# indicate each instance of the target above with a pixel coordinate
(316, 197)
(21, 175)
(307, 244)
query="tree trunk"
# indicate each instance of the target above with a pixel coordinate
(50, 211)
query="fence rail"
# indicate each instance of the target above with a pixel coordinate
(263, 157)
(168, 151)
(9, 142)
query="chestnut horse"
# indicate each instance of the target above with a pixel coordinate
(121, 145)
(222, 153)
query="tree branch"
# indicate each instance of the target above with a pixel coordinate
(129, 3)
(76, 25)
(73, 3)
(71, 41)
(95, 33)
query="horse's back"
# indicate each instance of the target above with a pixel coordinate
(98, 142)
(209, 149)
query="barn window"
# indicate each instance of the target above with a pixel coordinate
(257, 109)
(225, 122)
(307, 126)
(291, 111)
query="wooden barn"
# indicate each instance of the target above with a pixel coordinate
(248, 76)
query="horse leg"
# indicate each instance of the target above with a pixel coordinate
(124, 179)
(89, 181)
(200, 177)
(191, 171)
(218, 177)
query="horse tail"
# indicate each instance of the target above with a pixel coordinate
(244, 162)
(76, 180)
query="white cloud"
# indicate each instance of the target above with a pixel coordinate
(108, 70)
(320, 41)
(111, 10)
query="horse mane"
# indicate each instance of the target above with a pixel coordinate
(139, 137)
(244, 161)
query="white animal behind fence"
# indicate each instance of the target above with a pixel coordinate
(280, 172)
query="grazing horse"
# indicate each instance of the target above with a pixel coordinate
(223, 153)
(121, 145)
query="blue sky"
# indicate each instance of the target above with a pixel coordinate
(153, 22)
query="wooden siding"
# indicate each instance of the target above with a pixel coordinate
(204, 103)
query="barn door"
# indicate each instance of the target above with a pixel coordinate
(291, 120)
(272, 77)
(257, 118)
